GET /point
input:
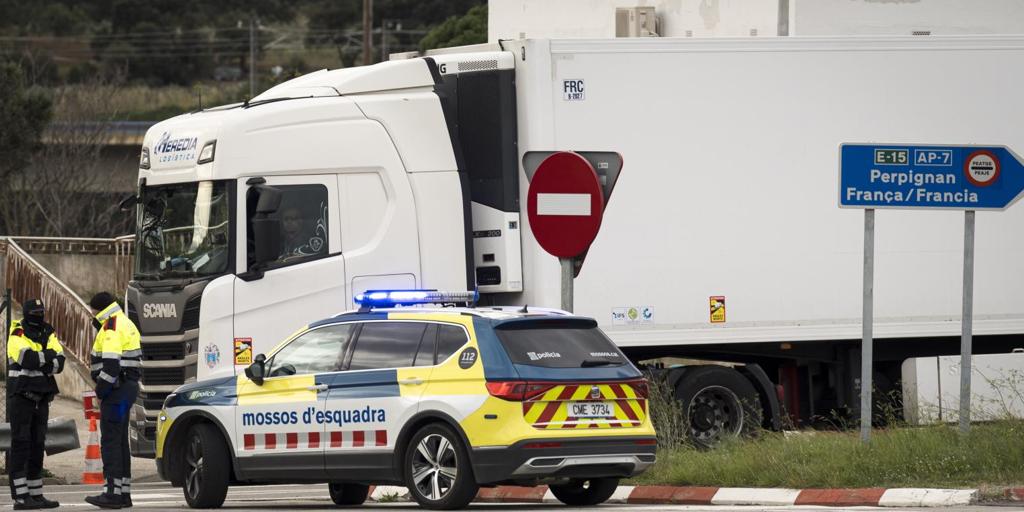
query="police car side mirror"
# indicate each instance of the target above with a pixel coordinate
(257, 370)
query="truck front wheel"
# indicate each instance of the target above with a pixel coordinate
(717, 403)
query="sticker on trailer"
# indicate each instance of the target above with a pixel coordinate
(632, 315)
(573, 90)
(717, 303)
(243, 351)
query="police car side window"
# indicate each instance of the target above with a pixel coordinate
(387, 345)
(449, 339)
(318, 351)
(425, 355)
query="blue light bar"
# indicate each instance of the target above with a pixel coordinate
(389, 298)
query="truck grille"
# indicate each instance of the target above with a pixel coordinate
(190, 319)
(163, 376)
(163, 351)
(152, 401)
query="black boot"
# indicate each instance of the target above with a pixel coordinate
(105, 500)
(26, 502)
(126, 501)
(45, 503)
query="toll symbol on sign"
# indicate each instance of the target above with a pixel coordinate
(982, 168)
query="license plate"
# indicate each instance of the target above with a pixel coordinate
(591, 410)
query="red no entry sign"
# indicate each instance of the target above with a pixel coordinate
(565, 204)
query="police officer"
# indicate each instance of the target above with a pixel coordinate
(116, 368)
(33, 355)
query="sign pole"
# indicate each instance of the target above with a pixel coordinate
(866, 352)
(966, 321)
(566, 264)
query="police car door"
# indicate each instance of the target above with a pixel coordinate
(369, 403)
(279, 424)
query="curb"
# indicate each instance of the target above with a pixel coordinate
(664, 494)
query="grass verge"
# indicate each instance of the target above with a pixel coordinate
(935, 456)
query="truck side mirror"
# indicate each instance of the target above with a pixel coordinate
(265, 229)
(257, 370)
(128, 203)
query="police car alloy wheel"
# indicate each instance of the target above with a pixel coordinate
(348, 494)
(437, 469)
(580, 493)
(207, 465)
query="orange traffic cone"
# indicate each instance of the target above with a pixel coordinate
(93, 473)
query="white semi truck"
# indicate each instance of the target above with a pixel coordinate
(721, 241)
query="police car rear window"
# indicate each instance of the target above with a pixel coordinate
(558, 345)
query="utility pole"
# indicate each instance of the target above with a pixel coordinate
(367, 32)
(383, 40)
(252, 56)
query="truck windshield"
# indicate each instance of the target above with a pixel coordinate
(558, 344)
(183, 231)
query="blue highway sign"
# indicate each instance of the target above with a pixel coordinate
(927, 176)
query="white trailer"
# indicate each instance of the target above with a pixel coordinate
(721, 241)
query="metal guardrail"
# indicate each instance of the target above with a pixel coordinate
(66, 311)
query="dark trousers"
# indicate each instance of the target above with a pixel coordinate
(115, 412)
(28, 439)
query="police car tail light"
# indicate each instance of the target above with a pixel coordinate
(389, 298)
(541, 445)
(517, 390)
(640, 387)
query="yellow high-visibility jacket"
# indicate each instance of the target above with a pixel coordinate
(31, 364)
(117, 352)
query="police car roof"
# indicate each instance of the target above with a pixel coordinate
(490, 312)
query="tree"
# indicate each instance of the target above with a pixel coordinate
(23, 116)
(455, 31)
(60, 188)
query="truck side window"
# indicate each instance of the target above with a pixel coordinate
(318, 351)
(304, 215)
(387, 345)
(449, 339)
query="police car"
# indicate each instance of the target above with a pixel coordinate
(441, 400)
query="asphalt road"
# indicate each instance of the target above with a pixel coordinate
(160, 496)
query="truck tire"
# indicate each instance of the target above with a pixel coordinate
(717, 403)
(585, 493)
(437, 469)
(206, 467)
(348, 494)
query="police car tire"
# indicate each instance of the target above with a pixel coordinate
(348, 494)
(215, 469)
(464, 487)
(585, 492)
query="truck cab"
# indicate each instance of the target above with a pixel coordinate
(255, 217)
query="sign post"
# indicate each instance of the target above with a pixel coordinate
(867, 343)
(902, 176)
(965, 324)
(564, 204)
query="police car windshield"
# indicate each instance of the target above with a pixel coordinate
(569, 343)
(183, 231)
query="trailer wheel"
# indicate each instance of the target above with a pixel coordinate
(718, 403)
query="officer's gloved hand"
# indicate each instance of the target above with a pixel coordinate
(49, 355)
(103, 390)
